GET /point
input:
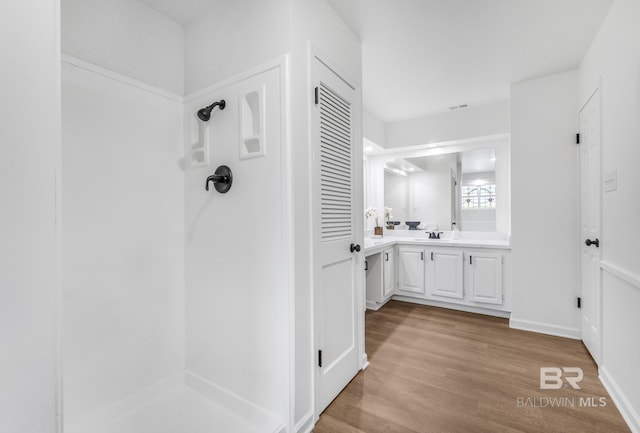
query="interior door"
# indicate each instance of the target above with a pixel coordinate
(590, 224)
(335, 153)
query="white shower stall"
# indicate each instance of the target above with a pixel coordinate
(176, 300)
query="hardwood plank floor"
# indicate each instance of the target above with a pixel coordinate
(434, 370)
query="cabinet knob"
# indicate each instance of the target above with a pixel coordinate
(355, 247)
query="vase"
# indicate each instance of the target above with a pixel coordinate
(377, 231)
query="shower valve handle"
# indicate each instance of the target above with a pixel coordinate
(222, 179)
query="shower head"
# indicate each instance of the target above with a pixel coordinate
(204, 114)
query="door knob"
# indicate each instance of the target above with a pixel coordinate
(595, 242)
(355, 247)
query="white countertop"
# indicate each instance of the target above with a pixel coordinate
(373, 245)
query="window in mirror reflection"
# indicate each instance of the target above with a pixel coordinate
(479, 197)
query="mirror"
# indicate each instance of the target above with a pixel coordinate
(467, 184)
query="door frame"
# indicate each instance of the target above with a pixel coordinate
(595, 93)
(314, 54)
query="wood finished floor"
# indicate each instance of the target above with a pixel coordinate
(437, 370)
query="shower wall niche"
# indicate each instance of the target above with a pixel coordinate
(252, 134)
(197, 155)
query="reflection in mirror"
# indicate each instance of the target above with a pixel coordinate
(467, 184)
(477, 190)
(419, 189)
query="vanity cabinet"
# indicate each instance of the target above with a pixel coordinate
(448, 276)
(444, 273)
(388, 272)
(380, 277)
(484, 277)
(411, 270)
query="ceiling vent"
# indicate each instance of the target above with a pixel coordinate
(457, 107)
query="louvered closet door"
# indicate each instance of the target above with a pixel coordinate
(334, 227)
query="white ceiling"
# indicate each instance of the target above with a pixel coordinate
(478, 161)
(421, 57)
(180, 11)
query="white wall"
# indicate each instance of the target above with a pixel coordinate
(123, 237)
(376, 190)
(231, 37)
(614, 57)
(454, 125)
(237, 287)
(503, 186)
(29, 152)
(374, 129)
(125, 36)
(479, 220)
(544, 206)
(312, 21)
(430, 192)
(396, 196)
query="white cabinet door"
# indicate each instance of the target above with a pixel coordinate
(444, 273)
(484, 277)
(374, 279)
(411, 269)
(389, 274)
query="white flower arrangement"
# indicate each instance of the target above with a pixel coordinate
(371, 212)
(387, 213)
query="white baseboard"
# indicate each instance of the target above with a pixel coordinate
(459, 307)
(306, 424)
(545, 328)
(365, 361)
(627, 411)
(375, 306)
(371, 305)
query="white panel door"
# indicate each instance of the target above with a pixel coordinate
(590, 224)
(389, 274)
(484, 277)
(444, 273)
(335, 154)
(411, 270)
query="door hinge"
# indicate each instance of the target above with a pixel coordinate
(320, 358)
(577, 138)
(316, 95)
(579, 302)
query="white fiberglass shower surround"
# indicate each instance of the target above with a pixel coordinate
(188, 306)
(175, 297)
